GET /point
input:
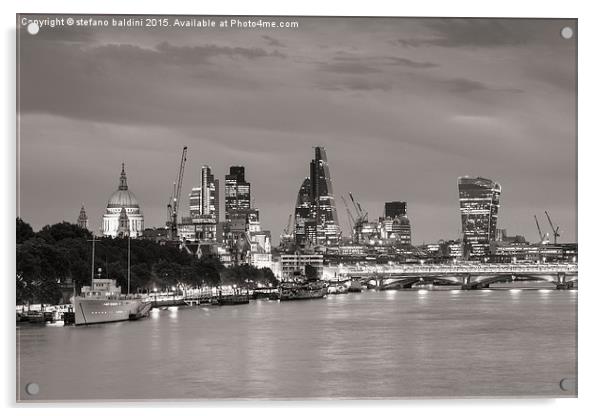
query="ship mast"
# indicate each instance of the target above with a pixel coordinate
(128, 264)
(92, 274)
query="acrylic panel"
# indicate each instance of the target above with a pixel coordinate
(289, 207)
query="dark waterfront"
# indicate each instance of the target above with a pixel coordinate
(372, 344)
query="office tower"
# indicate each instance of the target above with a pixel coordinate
(322, 194)
(316, 220)
(204, 199)
(479, 206)
(237, 191)
(395, 209)
(303, 212)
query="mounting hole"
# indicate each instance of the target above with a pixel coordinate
(566, 32)
(33, 28)
(567, 384)
(32, 389)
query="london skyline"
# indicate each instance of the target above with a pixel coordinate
(402, 113)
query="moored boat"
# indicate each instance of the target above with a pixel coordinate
(355, 286)
(306, 289)
(102, 302)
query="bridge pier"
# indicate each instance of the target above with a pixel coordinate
(561, 283)
(466, 282)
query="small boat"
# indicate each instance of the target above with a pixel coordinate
(337, 289)
(234, 299)
(355, 286)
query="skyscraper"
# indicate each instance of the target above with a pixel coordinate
(237, 191)
(479, 206)
(395, 209)
(305, 224)
(322, 193)
(204, 206)
(204, 199)
(316, 219)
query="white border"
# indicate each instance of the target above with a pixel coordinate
(590, 21)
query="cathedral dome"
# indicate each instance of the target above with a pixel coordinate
(123, 197)
(123, 215)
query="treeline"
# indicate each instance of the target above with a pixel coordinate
(63, 251)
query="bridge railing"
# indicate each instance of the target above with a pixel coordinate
(463, 268)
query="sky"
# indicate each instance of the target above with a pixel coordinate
(403, 106)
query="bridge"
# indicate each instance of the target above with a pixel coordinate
(468, 275)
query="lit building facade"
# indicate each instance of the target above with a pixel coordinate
(303, 214)
(123, 214)
(292, 266)
(322, 193)
(237, 191)
(316, 219)
(479, 207)
(204, 208)
(395, 209)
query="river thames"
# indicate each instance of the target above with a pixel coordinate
(389, 344)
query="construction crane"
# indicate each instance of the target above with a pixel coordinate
(361, 214)
(555, 231)
(544, 238)
(362, 217)
(538, 229)
(174, 201)
(349, 215)
(287, 231)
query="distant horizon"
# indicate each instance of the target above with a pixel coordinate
(403, 106)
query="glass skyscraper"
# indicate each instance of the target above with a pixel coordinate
(479, 207)
(237, 191)
(204, 206)
(316, 219)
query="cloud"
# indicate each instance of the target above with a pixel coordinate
(394, 60)
(273, 41)
(201, 54)
(353, 67)
(474, 33)
(463, 85)
(356, 84)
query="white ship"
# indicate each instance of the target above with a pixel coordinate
(103, 302)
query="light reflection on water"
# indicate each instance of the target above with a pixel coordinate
(373, 344)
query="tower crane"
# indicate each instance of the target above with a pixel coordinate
(555, 231)
(287, 230)
(361, 214)
(174, 201)
(544, 238)
(349, 215)
(538, 229)
(362, 217)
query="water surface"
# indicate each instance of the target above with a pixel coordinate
(359, 345)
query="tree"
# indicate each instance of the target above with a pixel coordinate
(40, 268)
(24, 231)
(63, 230)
